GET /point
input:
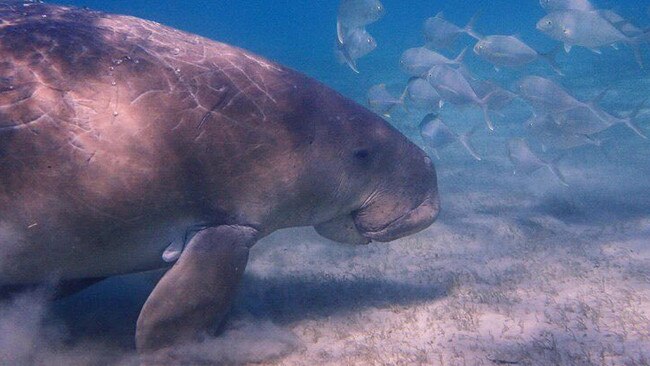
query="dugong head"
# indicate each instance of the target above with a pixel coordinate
(385, 186)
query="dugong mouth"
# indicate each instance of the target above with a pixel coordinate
(345, 229)
(411, 222)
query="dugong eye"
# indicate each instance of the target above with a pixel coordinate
(363, 157)
(361, 154)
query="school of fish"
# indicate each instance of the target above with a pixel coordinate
(560, 121)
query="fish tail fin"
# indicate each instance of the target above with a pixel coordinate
(461, 57)
(469, 28)
(550, 57)
(346, 56)
(464, 139)
(402, 99)
(635, 44)
(630, 120)
(636, 49)
(552, 166)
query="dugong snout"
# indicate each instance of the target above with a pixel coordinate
(408, 202)
(390, 214)
(412, 222)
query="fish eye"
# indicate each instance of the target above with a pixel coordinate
(369, 40)
(548, 22)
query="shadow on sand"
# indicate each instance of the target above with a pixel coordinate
(108, 311)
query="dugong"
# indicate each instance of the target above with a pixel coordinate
(127, 146)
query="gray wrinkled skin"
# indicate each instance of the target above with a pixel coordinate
(119, 136)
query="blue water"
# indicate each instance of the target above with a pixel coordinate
(608, 187)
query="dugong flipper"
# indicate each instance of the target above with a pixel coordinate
(205, 277)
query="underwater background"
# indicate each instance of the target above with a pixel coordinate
(518, 269)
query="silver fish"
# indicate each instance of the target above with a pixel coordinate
(544, 95)
(417, 61)
(440, 33)
(621, 23)
(499, 97)
(551, 136)
(526, 161)
(356, 14)
(422, 95)
(590, 29)
(510, 51)
(553, 5)
(573, 115)
(589, 118)
(436, 134)
(381, 101)
(453, 87)
(357, 43)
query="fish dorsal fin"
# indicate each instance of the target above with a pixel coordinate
(613, 18)
(440, 15)
(595, 101)
(461, 56)
(469, 28)
(339, 31)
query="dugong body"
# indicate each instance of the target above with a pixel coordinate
(120, 137)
